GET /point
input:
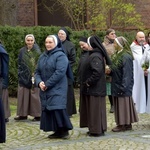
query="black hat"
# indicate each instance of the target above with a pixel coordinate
(95, 42)
(67, 33)
(83, 39)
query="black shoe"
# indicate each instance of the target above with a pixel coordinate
(59, 134)
(36, 119)
(112, 109)
(64, 135)
(128, 127)
(96, 135)
(54, 135)
(6, 120)
(20, 118)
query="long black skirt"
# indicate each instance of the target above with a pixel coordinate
(71, 104)
(2, 124)
(55, 119)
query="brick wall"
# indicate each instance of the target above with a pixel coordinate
(143, 7)
(25, 13)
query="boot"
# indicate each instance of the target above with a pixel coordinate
(112, 109)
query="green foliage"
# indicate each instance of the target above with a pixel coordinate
(75, 10)
(30, 60)
(100, 14)
(145, 66)
(126, 16)
(13, 40)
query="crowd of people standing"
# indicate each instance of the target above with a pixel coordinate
(110, 68)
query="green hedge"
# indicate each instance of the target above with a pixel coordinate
(13, 39)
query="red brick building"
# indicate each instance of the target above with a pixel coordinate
(143, 8)
(31, 13)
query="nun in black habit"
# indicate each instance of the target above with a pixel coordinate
(84, 55)
(93, 89)
(70, 52)
(4, 59)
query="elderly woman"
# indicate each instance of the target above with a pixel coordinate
(28, 95)
(70, 52)
(52, 79)
(122, 85)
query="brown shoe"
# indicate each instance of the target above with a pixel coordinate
(128, 127)
(20, 118)
(119, 128)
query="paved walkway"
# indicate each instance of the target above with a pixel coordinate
(25, 135)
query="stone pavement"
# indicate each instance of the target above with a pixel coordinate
(25, 135)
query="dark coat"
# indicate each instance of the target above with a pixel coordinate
(122, 76)
(82, 61)
(70, 51)
(93, 74)
(51, 69)
(24, 65)
(4, 63)
(5, 82)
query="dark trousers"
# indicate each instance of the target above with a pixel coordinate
(146, 87)
(110, 100)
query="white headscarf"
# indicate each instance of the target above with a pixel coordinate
(55, 39)
(30, 35)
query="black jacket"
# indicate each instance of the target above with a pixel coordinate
(93, 75)
(83, 58)
(122, 77)
(70, 52)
